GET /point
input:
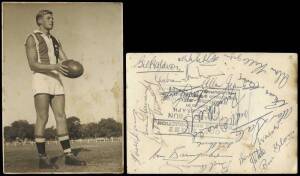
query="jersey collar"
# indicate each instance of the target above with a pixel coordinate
(38, 31)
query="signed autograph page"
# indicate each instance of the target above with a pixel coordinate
(211, 112)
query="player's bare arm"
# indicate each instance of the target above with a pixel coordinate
(33, 60)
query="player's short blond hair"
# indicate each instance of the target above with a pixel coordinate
(40, 14)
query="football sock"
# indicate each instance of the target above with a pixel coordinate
(65, 143)
(40, 145)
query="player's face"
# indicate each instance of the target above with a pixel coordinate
(47, 21)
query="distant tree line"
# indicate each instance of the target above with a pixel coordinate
(22, 129)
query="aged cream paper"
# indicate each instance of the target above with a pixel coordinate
(211, 112)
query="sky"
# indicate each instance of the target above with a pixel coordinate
(90, 33)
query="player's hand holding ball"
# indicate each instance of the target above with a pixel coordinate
(70, 68)
(61, 68)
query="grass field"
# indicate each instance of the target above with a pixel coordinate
(100, 157)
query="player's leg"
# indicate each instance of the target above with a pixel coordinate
(41, 102)
(58, 106)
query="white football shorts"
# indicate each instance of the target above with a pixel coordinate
(48, 83)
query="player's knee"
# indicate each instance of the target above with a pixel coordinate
(42, 118)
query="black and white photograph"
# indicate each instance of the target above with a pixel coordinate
(62, 87)
(149, 87)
